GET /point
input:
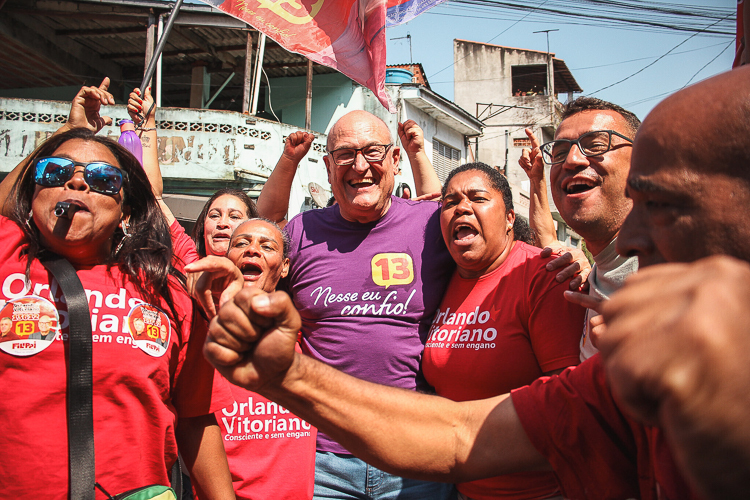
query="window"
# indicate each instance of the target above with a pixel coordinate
(444, 159)
(530, 79)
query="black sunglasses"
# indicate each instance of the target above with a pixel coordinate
(53, 171)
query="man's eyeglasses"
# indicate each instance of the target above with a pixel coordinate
(372, 154)
(101, 177)
(593, 143)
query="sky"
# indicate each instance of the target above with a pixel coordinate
(596, 56)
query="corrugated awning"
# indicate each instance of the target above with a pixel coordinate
(564, 81)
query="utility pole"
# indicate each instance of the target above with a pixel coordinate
(550, 78)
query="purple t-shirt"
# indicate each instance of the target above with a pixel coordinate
(367, 292)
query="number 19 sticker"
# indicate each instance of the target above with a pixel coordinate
(392, 269)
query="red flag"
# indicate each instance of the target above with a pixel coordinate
(740, 45)
(346, 35)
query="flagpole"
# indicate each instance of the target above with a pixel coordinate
(248, 73)
(160, 47)
(258, 68)
(308, 100)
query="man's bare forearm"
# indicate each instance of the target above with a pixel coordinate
(273, 201)
(425, 178)
(407, 433)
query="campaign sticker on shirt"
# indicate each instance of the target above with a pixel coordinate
(390, 269)
(28, 325)
(150, 329)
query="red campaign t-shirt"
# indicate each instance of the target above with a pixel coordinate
(271, 452)
(595, 450)
(140, 388)
(183, 247)
(497, 333)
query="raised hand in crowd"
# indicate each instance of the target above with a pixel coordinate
(85, 108)
(540, 217)
(412, 137)
(143, 113)
(84, 113)
(531, 159)
(426, 180)
(676, 351)
(297, 145)
(273, 201)
(141, 107)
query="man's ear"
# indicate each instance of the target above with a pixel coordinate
(396, 157)
(327, 161)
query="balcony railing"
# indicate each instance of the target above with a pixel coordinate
(197, 148)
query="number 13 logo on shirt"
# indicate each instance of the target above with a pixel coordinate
(392, 269)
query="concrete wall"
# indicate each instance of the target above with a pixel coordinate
(199, 150)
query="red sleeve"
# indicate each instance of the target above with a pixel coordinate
(573, 421)
(198, 388)
(183, 247)
(555, 325)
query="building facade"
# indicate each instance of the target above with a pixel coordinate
(509, 90)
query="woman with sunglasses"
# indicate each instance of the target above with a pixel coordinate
(87, 199)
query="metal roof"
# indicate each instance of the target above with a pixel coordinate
(50, 43)
(441, 109)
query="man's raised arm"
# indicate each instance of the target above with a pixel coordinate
(251, 342)
(426, 180)
(540, 217)
(273, 201)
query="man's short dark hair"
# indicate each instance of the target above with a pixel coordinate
(592, 103)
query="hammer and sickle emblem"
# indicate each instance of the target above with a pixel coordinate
(276, 6)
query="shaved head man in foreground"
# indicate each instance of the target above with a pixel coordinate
(690, 186)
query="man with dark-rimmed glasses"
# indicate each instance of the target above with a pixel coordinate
(589, 160)
(367, 276)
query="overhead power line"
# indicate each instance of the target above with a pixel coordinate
(631, 14)
(651, 15)
(654, 61)
(709, 62)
